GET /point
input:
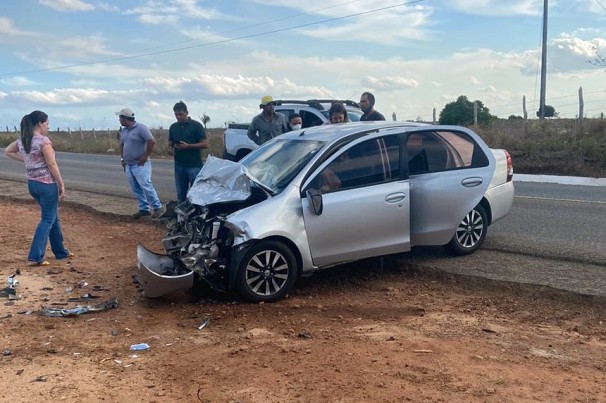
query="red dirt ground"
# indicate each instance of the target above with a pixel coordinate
(350, 334)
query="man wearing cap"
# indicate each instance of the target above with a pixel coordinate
(186, 138)
(136, 145)
(268, 124)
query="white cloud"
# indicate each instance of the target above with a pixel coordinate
(222, 86)
(64, 96)
(82, 48)
(370, 21)
(155, 19)
(17, 81)
(388, 83)
(171, 12)
(67, 5)
(568, 54)
(7, 28)
(509, 8)
(108, 7)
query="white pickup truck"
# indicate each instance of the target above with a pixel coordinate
(314, 112)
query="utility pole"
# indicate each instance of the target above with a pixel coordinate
(543, 62)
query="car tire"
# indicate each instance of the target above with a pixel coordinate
(267, 272)
(470, 233)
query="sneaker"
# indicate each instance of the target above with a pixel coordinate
(156, 213)
(141, 213)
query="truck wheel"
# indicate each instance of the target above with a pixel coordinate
(470, 233)
(267, 272)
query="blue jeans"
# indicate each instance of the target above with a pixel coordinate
(184, 179)
(139, 179)
(49, 228)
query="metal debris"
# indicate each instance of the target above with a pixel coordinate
(79, 310)
(7, 291)
(204, 324)
(12, 281)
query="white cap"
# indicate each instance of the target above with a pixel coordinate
(127, 112)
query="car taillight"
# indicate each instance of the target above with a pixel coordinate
(509, 166)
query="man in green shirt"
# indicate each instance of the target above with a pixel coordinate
(186, 139)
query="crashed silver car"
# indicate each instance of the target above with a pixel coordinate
(318, 197)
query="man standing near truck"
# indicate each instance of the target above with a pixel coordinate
(367, 104)
(186, 139)
(268, 124)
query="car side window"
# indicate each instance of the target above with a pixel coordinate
(440, 151)
(368, 163)
(310, 119)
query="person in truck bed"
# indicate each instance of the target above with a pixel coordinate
(268, 124)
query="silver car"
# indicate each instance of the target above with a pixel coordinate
(321, 196)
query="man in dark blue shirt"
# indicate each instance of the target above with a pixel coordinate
(367, 104)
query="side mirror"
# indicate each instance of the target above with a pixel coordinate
(315, 199)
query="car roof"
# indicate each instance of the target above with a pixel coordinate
(335, 132)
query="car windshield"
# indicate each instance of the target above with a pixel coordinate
(276, 163)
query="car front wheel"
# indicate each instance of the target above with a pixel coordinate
(267, 272)
(470, 233)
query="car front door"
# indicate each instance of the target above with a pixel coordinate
(449, 173)
(366, 204)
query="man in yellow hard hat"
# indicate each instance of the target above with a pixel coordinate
(268, 124)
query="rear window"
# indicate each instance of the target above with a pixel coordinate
(442, 150)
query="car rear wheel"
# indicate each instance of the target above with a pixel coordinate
(267, 272)
(470, 233)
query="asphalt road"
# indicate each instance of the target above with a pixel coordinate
(554, 236)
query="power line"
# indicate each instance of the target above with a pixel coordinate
(600, 4)
(127, 57)
(245, 27)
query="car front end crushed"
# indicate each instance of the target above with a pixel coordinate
(199, 242)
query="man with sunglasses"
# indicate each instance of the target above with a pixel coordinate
(268, 124)
(186, 139)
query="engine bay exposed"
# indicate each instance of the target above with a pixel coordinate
(198, 241)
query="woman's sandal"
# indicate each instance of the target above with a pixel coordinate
(42, 263)
(69, 255)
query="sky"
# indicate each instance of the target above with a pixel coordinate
(80, 61)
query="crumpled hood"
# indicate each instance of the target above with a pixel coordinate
(219, 181)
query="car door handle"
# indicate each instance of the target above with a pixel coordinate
(395, 197)
(471, 182)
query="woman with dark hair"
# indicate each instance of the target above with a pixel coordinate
(337, 113)
(44, 183)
